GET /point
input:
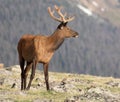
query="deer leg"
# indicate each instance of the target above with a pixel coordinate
(22, 80)
(22, 62)
(26, 71)
(46, 75)
(32, 74)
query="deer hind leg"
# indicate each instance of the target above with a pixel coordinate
(26, 71)
(46, 75)
(32, 74)
(22, 63)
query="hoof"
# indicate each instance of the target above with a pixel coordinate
(27, 88)
(48, 89)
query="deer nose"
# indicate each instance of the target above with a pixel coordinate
(76, 35)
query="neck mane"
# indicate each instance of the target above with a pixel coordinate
(55, 41)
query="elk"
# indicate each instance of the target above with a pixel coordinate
(40, 48)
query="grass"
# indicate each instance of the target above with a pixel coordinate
(80, 81)
(31, 95)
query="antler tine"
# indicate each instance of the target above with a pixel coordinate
(70, 19)
(62, 17)
(52, 15)
(58, 9)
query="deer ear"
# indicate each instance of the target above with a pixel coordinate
(60, 26)
(65, 23)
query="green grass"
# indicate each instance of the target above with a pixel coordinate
(84, 82)
(39, 94)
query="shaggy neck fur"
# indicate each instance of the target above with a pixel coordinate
(55, 41)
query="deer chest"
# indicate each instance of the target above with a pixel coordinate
(43, 56)
(41, 52)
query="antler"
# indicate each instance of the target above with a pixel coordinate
(62, 17)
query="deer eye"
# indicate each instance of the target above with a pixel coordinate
(68, 28)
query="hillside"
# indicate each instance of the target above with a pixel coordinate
(95, 52)
(107, 9)
(65, 87)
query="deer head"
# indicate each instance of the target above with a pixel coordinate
(62, 28)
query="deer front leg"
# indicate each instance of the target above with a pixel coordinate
(46, 75)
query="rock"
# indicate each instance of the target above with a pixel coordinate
(58, 88)
(5, 72)
(14, 85)
(94, 94)
(64, 87)
(22, 93)
(40, 85)
(15, 68)
(70, 100)
(37, 79)
(113, 84)
(80, 81)
(101, 93)
(2, 81)
(62, 83)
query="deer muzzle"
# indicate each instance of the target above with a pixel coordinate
(75, 35)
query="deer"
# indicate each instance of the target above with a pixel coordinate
(34, 49)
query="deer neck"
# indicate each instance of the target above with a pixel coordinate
(55, 41)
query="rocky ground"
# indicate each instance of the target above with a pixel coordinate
(65, 87)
